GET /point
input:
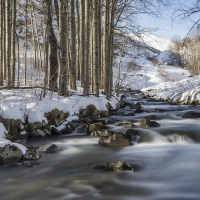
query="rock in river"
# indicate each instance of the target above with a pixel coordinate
(31, 154)
(145, 123)
(116, 140)
(114, 166)
(10, 154)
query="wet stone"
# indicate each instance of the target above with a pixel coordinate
(10, 154)
(145, 123)
(116, 140)
(37, 133)
(31, 154)
(190, 114)
(49, 148)
(136, 106)
(114, 166)
(28, 163)
(126, 124)
(102, 133)
(132, 134)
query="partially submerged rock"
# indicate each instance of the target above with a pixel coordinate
(102, 133)
(114, 166)
(136, 106)
(31, 154)
(116, 140)
(49, 148)
(132, 134)
(190, 114)
(94, 127)
(126, 124)
(145, 123)
(28, 163)
(10, 154)
(37, 133)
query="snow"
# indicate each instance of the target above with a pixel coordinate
(185, 91)
(147, 74)
(161, 44)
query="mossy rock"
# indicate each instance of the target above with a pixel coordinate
(89, 112)
(94, 127)
(56, 117)
(12, 126)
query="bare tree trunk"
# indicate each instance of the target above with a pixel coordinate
(57, 11)
(18, 59)
(106, 44)
(46, 67)
(13, 58)
(82, 48)
(78, 40)
(53, 48)
(25, 45)
(95, 49)
(73, 47)
(4, 40)
(1, 42)
(63, 44)
(8, 44)
(86, 86)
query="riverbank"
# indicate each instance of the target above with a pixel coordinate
(26, 113)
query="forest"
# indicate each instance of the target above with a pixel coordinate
(71, 41)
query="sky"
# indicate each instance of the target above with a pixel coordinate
(167, 28)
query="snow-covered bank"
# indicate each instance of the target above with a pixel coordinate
(29, 105)
(185, 91)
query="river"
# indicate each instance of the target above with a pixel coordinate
(166, 163)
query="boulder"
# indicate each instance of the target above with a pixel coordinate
(190, 114)
(31, 154)
(49, 148)
(89, 112)
(14, 128)
(126, 124)
(10, 154)
(114, 166)
(116, 140)
(94, 127)
(102, 133)
(37, 133)
(136, 106)
(138, 110)
(56, 117)
(145, 122)
(132, 134)
(55, 131)
(28, 163)
(68, 128)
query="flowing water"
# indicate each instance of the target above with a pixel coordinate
(166, 163)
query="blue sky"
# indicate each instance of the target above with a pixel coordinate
(167, 28)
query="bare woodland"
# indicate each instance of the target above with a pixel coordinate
(72, 41)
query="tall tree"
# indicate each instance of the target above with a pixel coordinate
(53, 47)
(73, 47)
(1, 42)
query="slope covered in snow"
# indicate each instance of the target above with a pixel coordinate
(185, 91)
(142, 67)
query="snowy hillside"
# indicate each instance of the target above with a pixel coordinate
(142, 67)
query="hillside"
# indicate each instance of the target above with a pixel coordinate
(145, 63)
